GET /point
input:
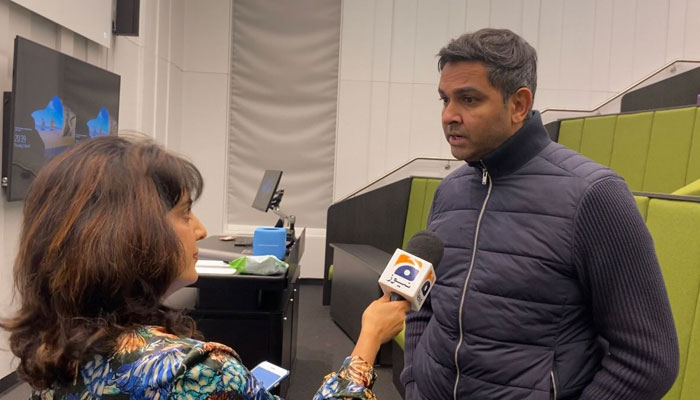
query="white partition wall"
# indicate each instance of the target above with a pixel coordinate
(388, 109)
(204, 98)
(89, 18)
(284, 70)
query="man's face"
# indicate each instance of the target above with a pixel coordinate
(474, 118)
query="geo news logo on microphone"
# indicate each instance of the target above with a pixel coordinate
(409, 276)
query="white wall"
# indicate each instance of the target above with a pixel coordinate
(388, 108)
(205, 78)
(151, 70)
(89, 18)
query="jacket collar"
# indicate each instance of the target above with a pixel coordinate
(526, 143)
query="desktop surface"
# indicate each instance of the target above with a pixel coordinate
(213, 248)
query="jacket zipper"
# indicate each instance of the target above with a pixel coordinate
(554, 384)
(484, 180)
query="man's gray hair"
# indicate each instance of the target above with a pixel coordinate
(510, 61)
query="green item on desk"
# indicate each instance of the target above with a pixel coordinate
(259, 265)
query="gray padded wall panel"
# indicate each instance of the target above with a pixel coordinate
(284, 83)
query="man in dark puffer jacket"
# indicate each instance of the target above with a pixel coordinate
(549, 287)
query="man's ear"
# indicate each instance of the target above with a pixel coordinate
(520, 104)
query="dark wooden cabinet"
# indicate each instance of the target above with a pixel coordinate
(255, 315)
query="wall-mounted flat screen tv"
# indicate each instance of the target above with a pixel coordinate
(56, 102)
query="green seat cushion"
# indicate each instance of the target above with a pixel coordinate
(669, 149)
(597, 138)
(330, 273)
(694, 161)
(399, 339)
(674, 226)
(570, 133)
(429, 195)
(630, 147)
(419, 202)
(414, 214)
(692, 189)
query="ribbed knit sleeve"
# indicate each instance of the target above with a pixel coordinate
(416, 322)
(620, 274)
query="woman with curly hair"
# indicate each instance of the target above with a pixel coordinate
(108, 233)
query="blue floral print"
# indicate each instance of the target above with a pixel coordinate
(151, 364)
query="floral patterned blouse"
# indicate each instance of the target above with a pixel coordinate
(149, 363)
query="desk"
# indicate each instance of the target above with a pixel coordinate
(255, 315)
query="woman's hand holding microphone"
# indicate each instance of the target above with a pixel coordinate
(382, 320)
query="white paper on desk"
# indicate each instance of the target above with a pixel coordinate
(214, 267)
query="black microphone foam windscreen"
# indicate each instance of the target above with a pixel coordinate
(426, 245)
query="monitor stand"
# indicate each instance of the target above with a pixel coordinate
(286, 221)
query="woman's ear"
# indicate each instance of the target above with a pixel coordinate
(520, 104)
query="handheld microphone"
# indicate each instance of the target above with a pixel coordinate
(409, 275)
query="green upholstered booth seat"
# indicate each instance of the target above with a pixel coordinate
(654, 151)
(399, 339)
(597, 138)
(669, 149)
(693, 173)
(570, 133)
(422, 193)
(675, 228)
(692, 189)
(631, 146)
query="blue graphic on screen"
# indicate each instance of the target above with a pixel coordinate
(51, 117)
(267, 186)
(100, 125)
(56, 126)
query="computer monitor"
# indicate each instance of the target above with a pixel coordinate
(266, 191)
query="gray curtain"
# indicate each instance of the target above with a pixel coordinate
(284, 83)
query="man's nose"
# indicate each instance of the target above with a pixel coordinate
(450, 115)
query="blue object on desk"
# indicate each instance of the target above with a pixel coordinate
(270, 241)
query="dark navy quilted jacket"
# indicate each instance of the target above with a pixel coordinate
(509, 312)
